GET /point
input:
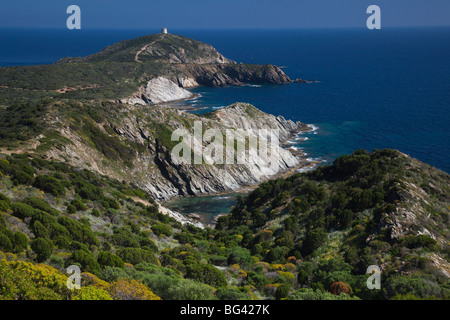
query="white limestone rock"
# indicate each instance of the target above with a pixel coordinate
(159, 90)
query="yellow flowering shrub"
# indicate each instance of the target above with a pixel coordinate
(287, 275)
(235, 268)
(292, 259)
(289, 267)
(276, 267)
(125, 289)
(10, 256)
(89, 279)
(26, 281)
(242, 274)
(91, 293)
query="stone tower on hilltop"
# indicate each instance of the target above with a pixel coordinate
(164, 30)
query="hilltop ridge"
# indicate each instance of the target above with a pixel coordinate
(121, 71)
(170, 48)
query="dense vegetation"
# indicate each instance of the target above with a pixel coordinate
(310, 236)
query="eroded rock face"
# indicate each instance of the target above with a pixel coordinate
(172, 88)
(231, 74)
(147, 132)
(247, 117)
(159, 90)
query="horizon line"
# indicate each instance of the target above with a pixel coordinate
(227, 28)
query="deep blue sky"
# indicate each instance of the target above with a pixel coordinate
(223, 14)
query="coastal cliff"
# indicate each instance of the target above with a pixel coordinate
(165, 60)
(105, 113)
(142, 134)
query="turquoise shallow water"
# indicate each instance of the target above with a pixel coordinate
(387, 88)
(206, 206)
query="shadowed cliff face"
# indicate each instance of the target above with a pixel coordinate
(220, 75)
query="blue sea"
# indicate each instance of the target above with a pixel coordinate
(387, 88)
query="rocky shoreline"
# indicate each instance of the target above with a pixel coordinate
(197, 219)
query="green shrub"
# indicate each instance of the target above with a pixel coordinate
(50, 185)
(137, 255)
(86, 260)
(184, 238)
(282, 291)
(20, 242)
(39, 230)
(108, 259)
(218, 260)
(62, 242)
(22, 210)
(56, 262)
(240, 256)
(419, 241)
(43, 248)
(41, 205)
(21, 177)
(230, 294)
(313, 240)
(90, 192)
(5, 243)
(5, 202)
(206, 274)
(71, 209)
(162, 229)
(316, 294)
(149, 244)
(44, 217)
(78, 204)
(416, 285)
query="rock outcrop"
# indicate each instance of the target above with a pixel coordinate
(159, 90)
(221, 75)
(247, 117)
(146, 133)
